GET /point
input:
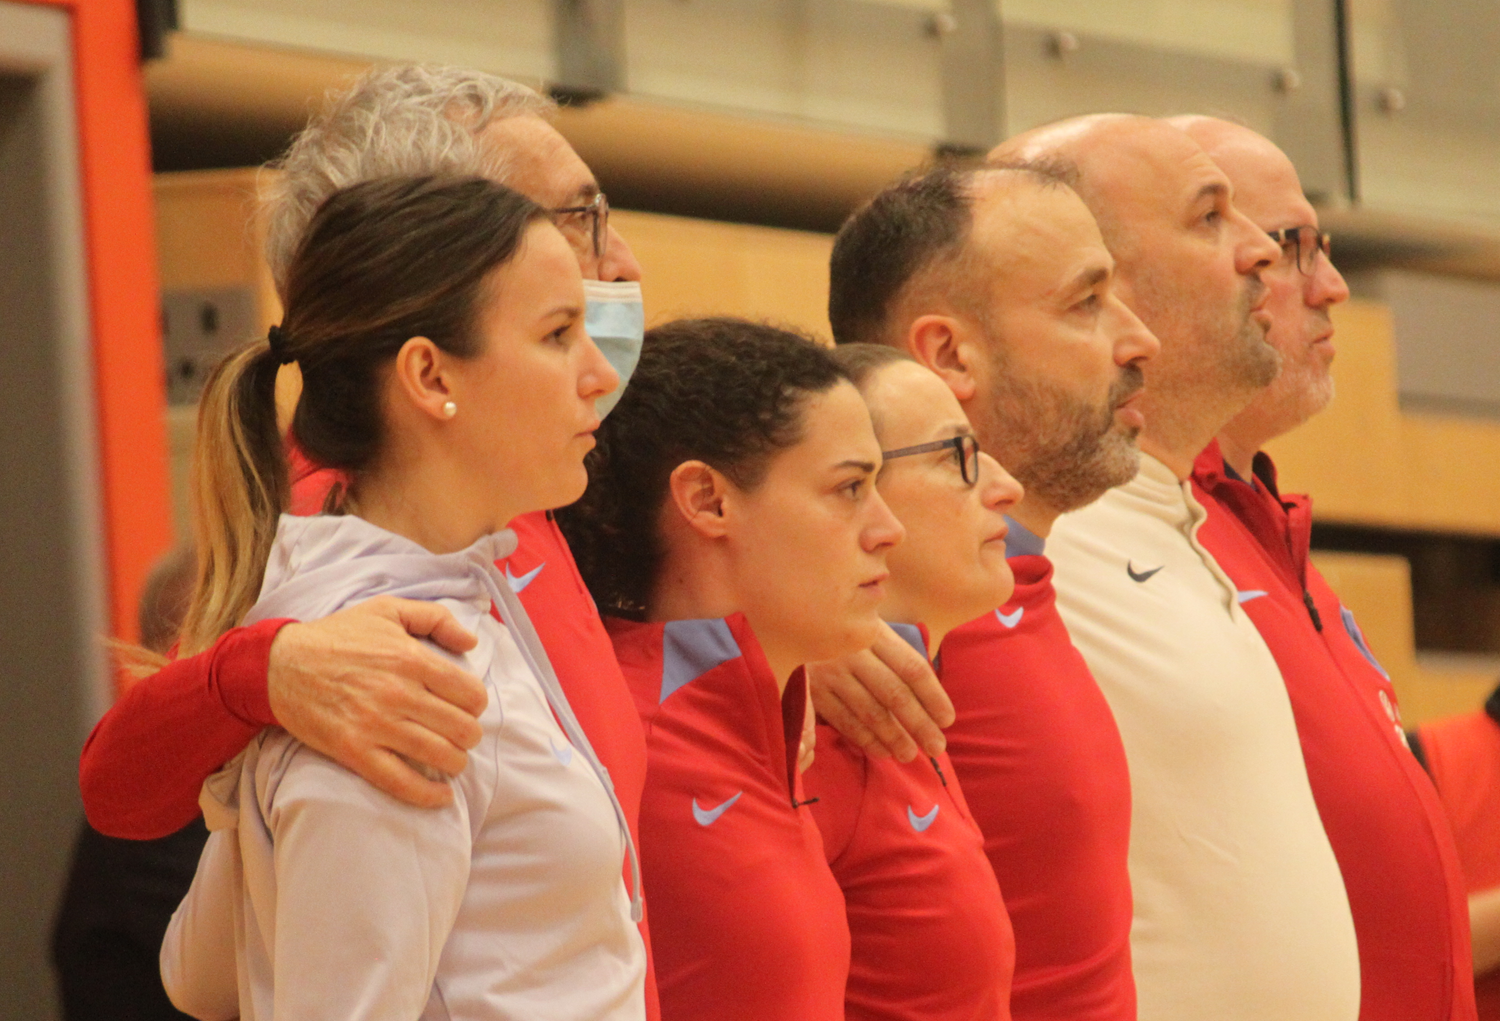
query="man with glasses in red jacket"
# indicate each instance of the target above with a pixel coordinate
(1383, 820)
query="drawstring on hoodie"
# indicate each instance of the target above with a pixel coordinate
(535, 655)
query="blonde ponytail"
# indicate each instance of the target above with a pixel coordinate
(239, 489)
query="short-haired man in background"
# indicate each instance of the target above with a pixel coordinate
(1384, 820)
(998, 280)
(120, 894)
(1240, 910)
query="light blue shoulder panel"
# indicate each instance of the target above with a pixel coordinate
(912, 636)
(690, 649)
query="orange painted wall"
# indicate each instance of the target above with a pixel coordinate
(115, 162)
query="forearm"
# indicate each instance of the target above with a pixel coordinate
(197, 955)
(148, 756)
(1484, 921)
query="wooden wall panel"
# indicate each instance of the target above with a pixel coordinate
(1366, 462)
(1378, 591)
(703, 267)
(1449, 468)
(208, 236)
(207, 233)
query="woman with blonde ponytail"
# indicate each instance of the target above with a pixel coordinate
(438, 327)
(240, 488)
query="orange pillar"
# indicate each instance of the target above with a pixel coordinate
(114, 150)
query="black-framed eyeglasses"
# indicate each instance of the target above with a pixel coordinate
(965, 449)
(597, 214)
(1307, 242)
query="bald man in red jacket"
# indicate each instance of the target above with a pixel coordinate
(1383, 819)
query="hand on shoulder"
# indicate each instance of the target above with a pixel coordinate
(886, 699)
(361, 687)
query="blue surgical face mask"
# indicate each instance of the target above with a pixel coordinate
(616, 322)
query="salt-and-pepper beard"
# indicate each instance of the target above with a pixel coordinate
(1066, 452)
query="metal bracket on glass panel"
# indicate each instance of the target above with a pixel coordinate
(199, 327)
(589, 37)
(154, 19)
(1312, 124)
(973, 63)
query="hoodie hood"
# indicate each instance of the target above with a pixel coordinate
(321, 564)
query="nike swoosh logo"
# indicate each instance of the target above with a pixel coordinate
(921, 822)
(563, 754)
(1249, 594)
(517, 584)
(1011, 619)
(1142, 575)
(709, 816)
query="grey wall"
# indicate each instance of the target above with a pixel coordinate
(51, 620)
(1447, 333)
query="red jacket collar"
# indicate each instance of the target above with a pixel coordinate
(1282, 525)
(1210, 470)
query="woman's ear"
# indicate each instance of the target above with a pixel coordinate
(944, 344)
(697, 493)
(422, 378)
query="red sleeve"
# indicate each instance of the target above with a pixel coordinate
(148, 756)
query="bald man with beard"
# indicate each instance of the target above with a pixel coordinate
(1240, 911)
(1384, 820)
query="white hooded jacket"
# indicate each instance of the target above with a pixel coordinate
(328, 898)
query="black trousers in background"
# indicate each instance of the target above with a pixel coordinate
(119, 897)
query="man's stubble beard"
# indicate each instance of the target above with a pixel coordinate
(1306, 374)
(1311, 385)
(1205, 353)
(1250, 362)
(1065, 452)
(1212, 362)
(1303, 389)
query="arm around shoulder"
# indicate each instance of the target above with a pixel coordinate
(357, 686)
(148, 756)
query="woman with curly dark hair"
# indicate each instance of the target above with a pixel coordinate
(732, 532)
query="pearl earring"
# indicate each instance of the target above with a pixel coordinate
(449, 409)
